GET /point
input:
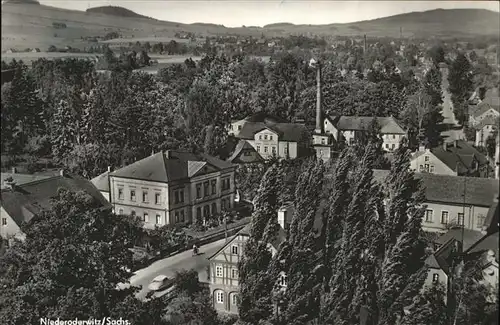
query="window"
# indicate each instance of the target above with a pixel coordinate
(239, 127)
(265, 136)
(480, 220)
(387, 146)
(260, 137)
(218, 271)
(176, 216)
(158, 219)
(286, 150)
(234, 249)
(323, 141)
(214, 186)
(198, 191)
(206, 211)
(198, 213)
(444, 217)
(428, 215)
(435, 277)
(4, 221)
(247, 153)
(393, 146)
(182, 216)
(234, 299)
(258, 148)
(205, 188)
(157, 198)
(421, 168)
(273, 150)
(181, 196)
(220, 297)
(270, 137)
(265, 148)
(461, 219)
(282, 279)
(426, 158)
(426, 167)
(223, 204)
(234, 273)
(145, 217)
(120, 193)
(394, 136)
(432, 169)
(132, 195)
(144, 196)
(176, 196)
(120, 212)
(214, 208)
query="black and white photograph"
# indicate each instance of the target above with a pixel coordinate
(249, 162)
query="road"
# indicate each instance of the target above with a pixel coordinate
(451, 128)
(168, 266)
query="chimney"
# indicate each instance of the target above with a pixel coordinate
(167, 154)
(14, 170)
(61, 172)
(109, 169)
(445, 146)
(364, 45)
(319, 123)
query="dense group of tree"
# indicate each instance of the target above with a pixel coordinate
(366, 260)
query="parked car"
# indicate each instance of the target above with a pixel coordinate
(159, 283)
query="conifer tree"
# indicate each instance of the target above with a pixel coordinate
(63, 131)
(428, 308)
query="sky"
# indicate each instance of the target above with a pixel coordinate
(235, 13)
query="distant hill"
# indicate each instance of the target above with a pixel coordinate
(29, 26)
(115, 11)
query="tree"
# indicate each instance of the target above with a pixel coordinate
(68, 268)
(436, 53)
(428, 308)
(460, 85)
(63, 133)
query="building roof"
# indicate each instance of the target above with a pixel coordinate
(30, 198)
(486, 121)
(486, 243)
(101, 182)
(438, 260)
(388, 125)
(20, 179)
(491, 221)
(286, 131)
(470, 237)
(458, 156)
(450, 189)
(264, 117)
(483, 107)
(171, 165)
(242, 146)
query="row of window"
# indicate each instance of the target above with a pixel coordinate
(209, 188)
(273, 149)
(179, 216)
(426, 168)
(265, 137)
(219, 272)
(393, 146)
(4, 221)
(429, 217)
(179, 196)
(219, 297)
(145, 196)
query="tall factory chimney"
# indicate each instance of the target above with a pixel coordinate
(364, 45)
(319, 124)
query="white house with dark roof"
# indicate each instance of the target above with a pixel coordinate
(446, 205)
(245, 153)
(282, 140)
(101, 182)
(20, 202)
(457, 158)
(351, 128)
(173, 187)
(489, 107)
(485, 129)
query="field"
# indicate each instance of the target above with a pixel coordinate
(28, 57)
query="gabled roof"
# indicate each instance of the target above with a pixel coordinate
(388, 125)
(486, 243)
(486, 121)
(470, 237)
(264, 117)
(450, 189)
(20, 179)
(171, 165)
(492, 218)
(438, 260)
(30, 198)
(101, 182)
(286, 131)
(483, 107)
(458, 156)
(241, 147)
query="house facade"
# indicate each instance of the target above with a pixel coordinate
(20, 202)
(488, 108)
(456, 159)
(352, 128)
(446, 204)
(173, 187)
(484, 130)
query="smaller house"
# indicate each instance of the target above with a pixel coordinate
(352, 129)
(245, 153)
(489, 107)
(19, 203)
(484, 129)
(458, 159)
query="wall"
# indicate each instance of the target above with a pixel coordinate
(235, 127)
(483, 134)
(390, 140)
(290, 147)
(105, 194)
(473, 219)
(329, 128)
(443, 279)
(265, 142)
(11, 228)
(249, 156)
(439, 167)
